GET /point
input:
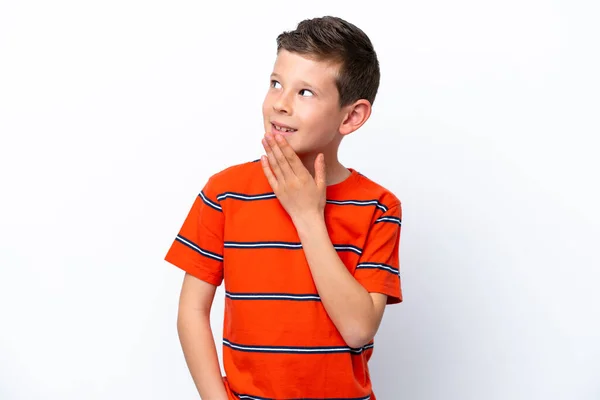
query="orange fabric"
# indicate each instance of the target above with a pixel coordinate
(278, 341)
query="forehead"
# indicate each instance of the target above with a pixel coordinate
(297, 68)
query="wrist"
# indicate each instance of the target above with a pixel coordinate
(309, 222)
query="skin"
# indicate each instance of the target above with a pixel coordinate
(299, 167)
(196, 337)
(303, 95)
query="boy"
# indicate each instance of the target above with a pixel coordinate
(308, 249)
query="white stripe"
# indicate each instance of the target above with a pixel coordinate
(359, 203)
(245, 197)
(285, 245)
(243, 396)
(280, 349)
(390, 219)
(354, 249)
(264, 244)
(271, 296)
(378, 266)
(210, 201)
(298, 350)
(210, 255)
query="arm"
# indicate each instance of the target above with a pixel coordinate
(355, 312)
(195, 335)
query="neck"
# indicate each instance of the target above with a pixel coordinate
(335, 172)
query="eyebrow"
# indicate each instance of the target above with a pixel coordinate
(303, 83)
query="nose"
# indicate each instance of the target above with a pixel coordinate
(283, 104)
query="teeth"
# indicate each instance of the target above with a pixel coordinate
(280, 128)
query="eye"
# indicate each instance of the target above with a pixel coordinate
(307, 91)
(274, 84)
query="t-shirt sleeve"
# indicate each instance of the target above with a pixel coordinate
(378, 269)
(198, 247)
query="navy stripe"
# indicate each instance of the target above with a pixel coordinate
(394, 220)
(271, 195)
(251, 397)
(348, 247)
(381, 266)
(285, 245)
(263, 245)
(359, 203)
(272, 296)
(296, 350)
(198, 249)
(209, 202)
(246, 197)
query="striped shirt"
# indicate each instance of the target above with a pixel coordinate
(278, 341)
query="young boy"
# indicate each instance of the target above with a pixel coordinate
(308, 249)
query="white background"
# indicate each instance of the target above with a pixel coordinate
(114, 113)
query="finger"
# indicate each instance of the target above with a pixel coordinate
(273, 163)
(320, 174)
(282, 160)
(268, 173)
(292, 158)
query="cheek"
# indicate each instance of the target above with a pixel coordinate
(267, 103)
(318, 119)
(309, 115)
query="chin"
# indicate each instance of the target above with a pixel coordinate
(303, 151)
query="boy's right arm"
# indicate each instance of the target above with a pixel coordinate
(195, 335)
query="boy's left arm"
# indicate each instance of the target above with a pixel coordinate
(355, 312)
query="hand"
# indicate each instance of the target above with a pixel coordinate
(298, 192)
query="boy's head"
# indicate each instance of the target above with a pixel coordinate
(323, 85)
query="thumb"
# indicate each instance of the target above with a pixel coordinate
(320, 178)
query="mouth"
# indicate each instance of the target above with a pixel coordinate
(282, 129)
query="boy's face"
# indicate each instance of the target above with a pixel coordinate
(303, 96)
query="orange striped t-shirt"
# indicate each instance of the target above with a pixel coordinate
(278, 341)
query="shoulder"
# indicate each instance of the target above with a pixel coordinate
(237, 172)
(377, 191)
(235, 176)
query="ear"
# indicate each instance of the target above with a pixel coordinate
(357, 114)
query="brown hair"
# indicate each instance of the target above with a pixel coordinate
(336, 40)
